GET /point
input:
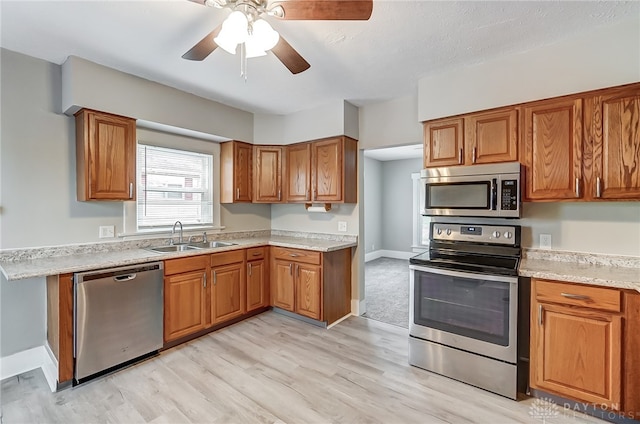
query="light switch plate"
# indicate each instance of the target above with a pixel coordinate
(342, 226)
(107, 231)
(545, 241)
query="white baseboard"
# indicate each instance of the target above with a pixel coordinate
(394, 254)
(28, 360)
(358, 307)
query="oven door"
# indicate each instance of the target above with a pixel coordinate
(473, 312)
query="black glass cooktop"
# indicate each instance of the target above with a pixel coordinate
(484, 260)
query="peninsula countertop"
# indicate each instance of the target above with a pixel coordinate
(600, 270)
(40, 264)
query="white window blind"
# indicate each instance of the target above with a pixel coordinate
(173, 185)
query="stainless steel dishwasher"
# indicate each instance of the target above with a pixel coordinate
(118, 317)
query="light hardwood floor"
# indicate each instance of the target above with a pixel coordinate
(272, 369)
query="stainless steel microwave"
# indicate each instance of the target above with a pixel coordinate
(491, 190)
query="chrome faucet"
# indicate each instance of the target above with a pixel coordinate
(173, 231)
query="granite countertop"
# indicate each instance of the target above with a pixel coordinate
(28, 263)
(600, 270)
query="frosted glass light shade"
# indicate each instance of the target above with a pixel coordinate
(265, 35)
(234, 31)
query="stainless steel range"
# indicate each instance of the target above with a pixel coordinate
(463, 305)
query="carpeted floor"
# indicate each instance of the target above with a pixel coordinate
(386, 290)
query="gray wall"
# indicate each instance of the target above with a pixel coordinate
(397, 203)
(372, 205)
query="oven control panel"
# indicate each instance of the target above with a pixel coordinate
(508, 235)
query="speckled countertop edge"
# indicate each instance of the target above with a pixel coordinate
(595, 269)
(97, 257)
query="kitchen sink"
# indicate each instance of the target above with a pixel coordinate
(174, 248)
(210, 244)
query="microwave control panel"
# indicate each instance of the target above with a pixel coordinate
(509, 195)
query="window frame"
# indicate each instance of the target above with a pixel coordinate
(177, 142)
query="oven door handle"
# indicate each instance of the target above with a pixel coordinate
(467, 275)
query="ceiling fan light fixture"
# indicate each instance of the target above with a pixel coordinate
(265, 35)
(234, 31)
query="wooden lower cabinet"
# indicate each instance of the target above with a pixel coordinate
(313, 284)
(308, 289)
(576, 342)
(228, 285)
(185, 289)
(257, 279)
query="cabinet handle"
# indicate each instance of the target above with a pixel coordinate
(473, 155)
(575, 296)
(204, 280)
(130, 190)
(315, 194)
(249, 269)
(298, 270)
(290, 268)
(215, 278)
(539, 314)
(308, 197)
(577, 187)
(598, 189)
(279, 197)
(238, 193)
(256, 254)
(460, 156)
(293, 255)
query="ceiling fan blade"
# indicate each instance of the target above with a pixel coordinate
(290, 57)
(324, 10)
(204, 47)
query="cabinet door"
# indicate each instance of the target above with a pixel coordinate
(443, 143)
(242, 171)
(282, 287)
(256, 285)
(106, 156)
(298, 173)
(577, 353)
(228, 292)
(308, 290)
(236, 173)
(613, 130)
(267, 183)
(327, 168)
(491, 137)
(553, 149)
(184, 304)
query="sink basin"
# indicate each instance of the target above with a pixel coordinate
(174, 248)
(209, 244)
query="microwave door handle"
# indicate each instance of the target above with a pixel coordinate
(494, 194)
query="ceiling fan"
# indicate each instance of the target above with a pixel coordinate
(246, 28)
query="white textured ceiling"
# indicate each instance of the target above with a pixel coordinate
(412, 151)
(362, 62)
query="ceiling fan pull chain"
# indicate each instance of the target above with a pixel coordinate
(243, 61)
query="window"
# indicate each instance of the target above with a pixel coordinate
(173, 185)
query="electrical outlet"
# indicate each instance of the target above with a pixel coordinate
(342, 226)
(107, 231)
(545, 241)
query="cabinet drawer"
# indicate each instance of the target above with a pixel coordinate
(225, 258)
(297, 255)
(256, 253)
(192, 263)
(578, 294)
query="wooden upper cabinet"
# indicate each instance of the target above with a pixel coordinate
(612, 143)
(491, 137)
(236, 173)
(267, 181)
(105, 156)
(298, 173)
(443, 142)
(334, 170)
(552, 149)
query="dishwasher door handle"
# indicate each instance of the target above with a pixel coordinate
(126, 277)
